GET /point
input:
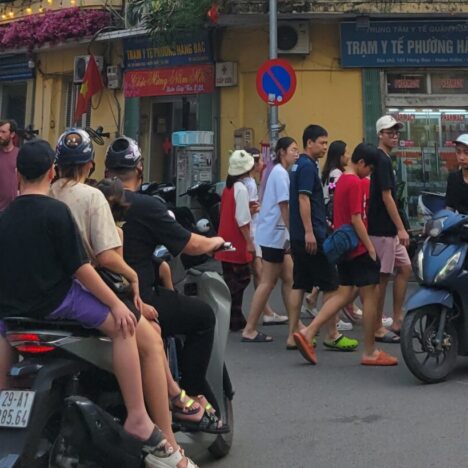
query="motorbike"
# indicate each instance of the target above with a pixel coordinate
(435, 329)
(64, 407)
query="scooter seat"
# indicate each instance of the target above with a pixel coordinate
(21, 323)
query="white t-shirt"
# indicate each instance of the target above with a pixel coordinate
(271, 230)
(92, 214)
(251, 185)
(334, 175)
(241, 196)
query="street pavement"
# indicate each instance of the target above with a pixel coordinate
(338, 413)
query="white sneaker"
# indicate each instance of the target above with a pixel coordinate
(172, 461)
(387, 322)
(275, 319)
(344, 326)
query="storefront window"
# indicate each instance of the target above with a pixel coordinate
(13, 102)
(426, 152)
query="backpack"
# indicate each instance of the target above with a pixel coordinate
(339, 243)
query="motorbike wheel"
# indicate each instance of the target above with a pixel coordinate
(418, 331)
(223, 443)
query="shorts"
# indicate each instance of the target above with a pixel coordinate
(80, 305)
(272, 255)
(390, 252)
(359, 271)
(311, 271)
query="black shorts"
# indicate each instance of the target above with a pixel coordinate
(360, 271)
(272, 255)
(311, 271)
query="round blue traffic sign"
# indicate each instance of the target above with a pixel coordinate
(276, 82)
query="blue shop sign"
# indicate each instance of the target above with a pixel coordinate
(15, 68)
(141, 53)
(404, 44)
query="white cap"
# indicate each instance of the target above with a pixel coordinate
(463, 139)
(240, 162)
(385, 122)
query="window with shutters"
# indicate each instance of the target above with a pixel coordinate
(73, 91)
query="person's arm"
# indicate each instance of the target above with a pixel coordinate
(360, 228)
(284, 208)
(89, 278)
(245, 230)
(305, 210)
(111, 260)
(392, 211)
(198, 245)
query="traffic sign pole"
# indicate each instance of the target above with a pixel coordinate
(273, 110)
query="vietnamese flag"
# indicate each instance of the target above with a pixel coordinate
(92, 83)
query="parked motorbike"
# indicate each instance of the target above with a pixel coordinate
(64, 408)
(435, 328)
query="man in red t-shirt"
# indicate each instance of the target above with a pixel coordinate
(8, 155)
(361, 269)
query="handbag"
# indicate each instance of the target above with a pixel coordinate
(342, 241)
(119, 285)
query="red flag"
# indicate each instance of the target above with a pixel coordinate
(92, 83)
(213, 13)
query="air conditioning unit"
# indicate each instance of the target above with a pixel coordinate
(114, 77)
(293, 37)
(81, 62)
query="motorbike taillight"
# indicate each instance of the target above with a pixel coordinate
(29, 343)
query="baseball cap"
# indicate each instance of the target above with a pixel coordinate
(463, 139)
(385, 122)
(240, 162)
(35, 158)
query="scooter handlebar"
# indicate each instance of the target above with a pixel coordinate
(226, 247)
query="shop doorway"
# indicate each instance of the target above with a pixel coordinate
(168, 115)
(13, 102)
(426, 152)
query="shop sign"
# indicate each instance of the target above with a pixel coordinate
(197, 79)
(226, 74)
(404, 44)
(453, 117)
(404, 117)
(15, 67)
(141, 53)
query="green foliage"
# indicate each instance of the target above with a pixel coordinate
(166, 19)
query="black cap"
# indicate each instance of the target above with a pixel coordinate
(35, 158)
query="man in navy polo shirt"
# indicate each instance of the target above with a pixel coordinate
(308, 229)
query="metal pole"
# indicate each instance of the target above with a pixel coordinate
(273, 110)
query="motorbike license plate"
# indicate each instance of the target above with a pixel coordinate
(15, 408)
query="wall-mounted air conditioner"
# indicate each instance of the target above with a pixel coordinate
(81, 62)
(293, 37)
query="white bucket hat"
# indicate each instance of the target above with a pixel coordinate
(240, 162)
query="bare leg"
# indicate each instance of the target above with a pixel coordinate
(287, 282)
(153, 359)
(165, 275)
(400, 285)
(369, 295)
(126, 365)
(296, 298)
(257, 274)
(379, 329)
(7, 359)
(268, 279)
(333, 302)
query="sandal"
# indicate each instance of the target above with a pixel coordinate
(172, 461)
(185, 408)
(342, 343)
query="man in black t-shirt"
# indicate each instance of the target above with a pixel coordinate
(387, 231)
(456, 196)
(45, 273)
(148, 224)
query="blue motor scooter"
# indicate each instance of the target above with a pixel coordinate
(435, 329)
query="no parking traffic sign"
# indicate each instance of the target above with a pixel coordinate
(276, 82)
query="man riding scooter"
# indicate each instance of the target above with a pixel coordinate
(148, 224)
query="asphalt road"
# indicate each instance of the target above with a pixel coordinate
(338, 413)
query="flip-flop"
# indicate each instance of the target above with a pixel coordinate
(382, 359)
(305, 348)
(342, 343)
(294, 347)
(259, 338)
(389, 337)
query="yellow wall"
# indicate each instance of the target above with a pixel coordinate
(53, 72)
(326, 94)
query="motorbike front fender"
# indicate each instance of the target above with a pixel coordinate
(429, 296)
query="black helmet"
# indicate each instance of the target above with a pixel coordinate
(123, 153)
(74, 147)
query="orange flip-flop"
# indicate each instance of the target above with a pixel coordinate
(305, 348)
(382, 359)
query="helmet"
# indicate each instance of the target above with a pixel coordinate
(123, 153)
(74, 147)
